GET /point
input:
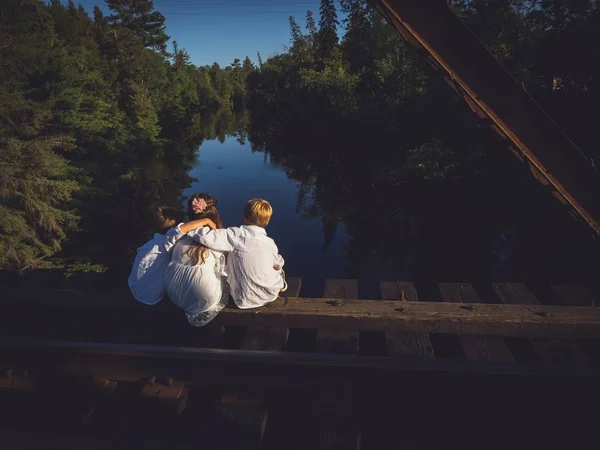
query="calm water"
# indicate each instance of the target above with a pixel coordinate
(342, 210)
(474, 230)
(233, 174)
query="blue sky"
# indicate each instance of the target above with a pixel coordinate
(221, 30)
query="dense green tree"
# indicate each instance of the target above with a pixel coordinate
(139, 17)
(311, 27)
(372, 91)
(36, 181)
(35, 186)
(98, 122)
(247, 66)
(328, 23)
(97, 125)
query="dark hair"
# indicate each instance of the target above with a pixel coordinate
(198, 252)
(209, 199)
(167, 217)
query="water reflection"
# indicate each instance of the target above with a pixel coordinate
(484, 219)
(346, 207)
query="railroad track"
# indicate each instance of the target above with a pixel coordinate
(257, 387)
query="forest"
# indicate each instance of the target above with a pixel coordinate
(98, 115)
(101, 117)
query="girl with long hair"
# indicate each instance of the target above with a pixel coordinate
(194, 279)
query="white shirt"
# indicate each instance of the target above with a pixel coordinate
(146, 280)
(194, 288)
(250, 274)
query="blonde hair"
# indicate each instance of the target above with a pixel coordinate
(258, 212)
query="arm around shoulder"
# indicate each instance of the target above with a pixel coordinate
(194, 224)
(171, 237)
(222, 240)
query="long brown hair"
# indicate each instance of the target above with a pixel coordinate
(198, 252)
(167, 217)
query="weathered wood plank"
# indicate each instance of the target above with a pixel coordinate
(399, 343)
(551, 351)
(575, 295)
(476, 348)
(514, 294)
(271, 339)
(332, 406)
(430, 317)
(337, 341)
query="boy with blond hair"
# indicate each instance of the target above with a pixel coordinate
(254, 265)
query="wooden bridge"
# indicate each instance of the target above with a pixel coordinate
(335, 372)
(411, 370)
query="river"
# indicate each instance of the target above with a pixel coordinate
(233, 174)
(347, 208)
(472, 229)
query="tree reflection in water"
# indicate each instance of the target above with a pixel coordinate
(467, 214)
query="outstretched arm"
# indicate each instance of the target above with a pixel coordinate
(176, 233)
(192, 225)
(221, 240)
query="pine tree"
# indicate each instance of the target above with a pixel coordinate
(181, 58)
(35, 188)
(247, 66)
(358, 41)
(36, 182)
(99, 19)
(299, 41)
(139, 17)
(259, 59)
(328, 38)
(311, 28)
(295, 32)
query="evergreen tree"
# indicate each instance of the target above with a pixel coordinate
(299, 41)
(91, 118)
(295, 32)
(328, 22)
(247, 66)
(311, 27)
(259, 59)
(36, 187)
(36, 181)
(139, 17)
(180, 57)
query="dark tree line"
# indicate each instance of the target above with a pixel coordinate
(95, 112)
(364, 121)
(100, 119)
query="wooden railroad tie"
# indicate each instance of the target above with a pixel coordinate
(266, 328)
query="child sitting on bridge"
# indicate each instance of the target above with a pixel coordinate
(146, 280)
(254, 265)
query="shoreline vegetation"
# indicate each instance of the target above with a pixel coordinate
(102, 117)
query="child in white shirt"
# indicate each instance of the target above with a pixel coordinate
(254, 265)
(194, 279)
(146, 280)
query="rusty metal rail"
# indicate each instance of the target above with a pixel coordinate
(130, 362)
